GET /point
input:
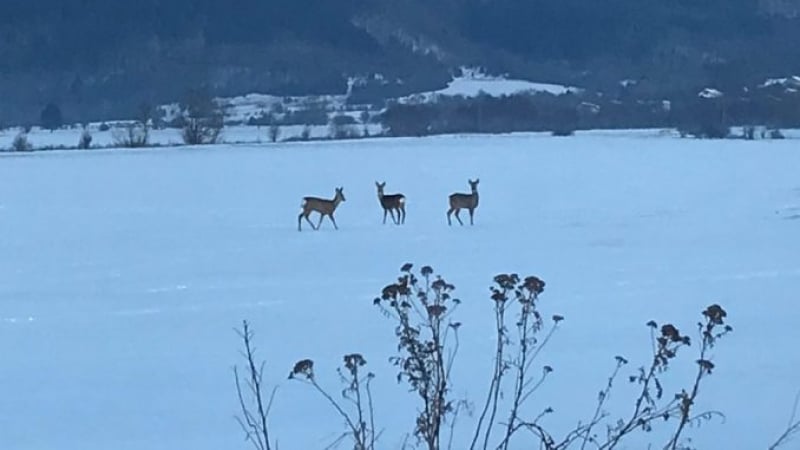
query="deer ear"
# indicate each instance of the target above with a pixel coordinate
(477, 180)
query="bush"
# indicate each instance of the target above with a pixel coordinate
(709, 130)
(104, 127)
(202, 130)
(21, 143)
(85, 141)
(421, 311)
(563, 131)
(776, 134)
(274, 132)
(338, 131)
(131, 135)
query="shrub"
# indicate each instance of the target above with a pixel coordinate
(202, 130)
(776, 134)
(563, 131)
(338, 131)
(708, 130)
(21, 143)
(306, 133)
(104, 127)
(131, 135)
(274, 132)
(85, 141)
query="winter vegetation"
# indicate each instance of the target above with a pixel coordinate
(473, 102)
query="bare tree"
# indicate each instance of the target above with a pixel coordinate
(202, 119)
(254, 406)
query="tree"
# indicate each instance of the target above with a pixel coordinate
(50, 117)
(203, 119)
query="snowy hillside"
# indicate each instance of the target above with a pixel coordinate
(470, 83)
(473, 83)
(124, 273)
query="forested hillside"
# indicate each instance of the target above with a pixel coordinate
(100, 58)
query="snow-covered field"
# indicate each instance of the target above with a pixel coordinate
(123, 274)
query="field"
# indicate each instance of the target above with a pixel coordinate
(123, 274)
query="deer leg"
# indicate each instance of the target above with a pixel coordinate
(471, 212)
(394, 221)
(384, 215)
(333, 220)
(299, 221)
(459, 218)
(402, 210)
(319, 224)
(449, 211)
(310, 222)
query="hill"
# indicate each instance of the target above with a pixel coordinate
(99, 59)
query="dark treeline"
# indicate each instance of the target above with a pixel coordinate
(100, 58)
(563, 114)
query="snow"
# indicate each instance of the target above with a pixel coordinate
(124, 272)
(794, 80)
(473, 83)
(709, 93)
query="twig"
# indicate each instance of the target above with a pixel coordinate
(500, 298)
(791, 429)
(254, 424)
(602, 397)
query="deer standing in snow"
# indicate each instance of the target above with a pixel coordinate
(392, 203)
(459, 201)
(323, 206)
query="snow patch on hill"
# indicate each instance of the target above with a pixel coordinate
(473, 83)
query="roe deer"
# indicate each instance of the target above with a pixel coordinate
(323, 206)
(392, 203)
(465, 201)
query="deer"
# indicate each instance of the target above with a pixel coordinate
(392, 203)
(459, 201)
(323, 206)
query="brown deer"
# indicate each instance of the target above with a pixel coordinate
(460, 201)
(392, 203)
(323, 206)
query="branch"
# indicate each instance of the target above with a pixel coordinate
(254, 423)
(792, 429)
